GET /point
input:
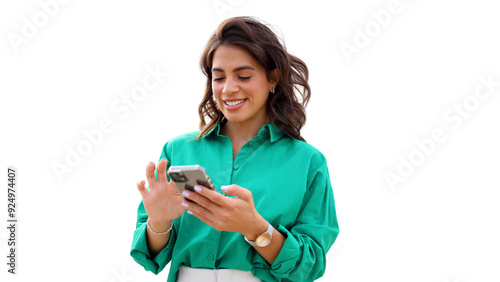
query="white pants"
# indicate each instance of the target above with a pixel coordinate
(188, 274)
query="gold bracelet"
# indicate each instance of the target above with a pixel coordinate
(156, 233)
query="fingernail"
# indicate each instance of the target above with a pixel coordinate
(188, 211)
(185, 193)
(197, 188)
(224, 187)
(185, 204)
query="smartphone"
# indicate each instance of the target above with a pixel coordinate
(186, 177)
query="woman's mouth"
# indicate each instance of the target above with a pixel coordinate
(232, 105)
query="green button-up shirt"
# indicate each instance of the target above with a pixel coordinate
(291, 189)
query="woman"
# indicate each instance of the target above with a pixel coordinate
(272, 216)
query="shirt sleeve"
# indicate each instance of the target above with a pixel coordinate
(140, 252)
(303, 255)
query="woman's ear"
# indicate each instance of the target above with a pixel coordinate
(274, 77)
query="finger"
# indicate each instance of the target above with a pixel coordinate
(150, 173)
(237, 191)
(201, 213)
(209, 218)
(215, 196)
(142, 188)
(172, 187)
(161, 171)
(199, 199)
(211, 194)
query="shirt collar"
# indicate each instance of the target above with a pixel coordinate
(215, 130)
(268, 130)
(272, 131)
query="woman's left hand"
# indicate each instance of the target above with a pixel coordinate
(225, 213)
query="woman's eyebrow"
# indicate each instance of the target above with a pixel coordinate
(245, 67)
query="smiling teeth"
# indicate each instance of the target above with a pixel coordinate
(234, 103)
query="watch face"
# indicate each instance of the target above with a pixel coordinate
(263, 240)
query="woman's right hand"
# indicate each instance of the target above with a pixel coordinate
(162, 202)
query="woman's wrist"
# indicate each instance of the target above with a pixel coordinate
(159, 227)
(256, 229)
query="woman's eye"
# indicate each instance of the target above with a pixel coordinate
(218, 79)
(245, 77)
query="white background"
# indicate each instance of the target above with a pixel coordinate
(366, 113)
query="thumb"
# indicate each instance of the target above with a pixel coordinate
(173, 187)
(237, 191)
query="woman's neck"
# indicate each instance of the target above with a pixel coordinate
(240, 133)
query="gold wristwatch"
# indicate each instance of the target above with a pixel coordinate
(263, 239)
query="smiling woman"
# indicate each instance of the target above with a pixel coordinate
(241, 92)
(255, 44)
(272, 215)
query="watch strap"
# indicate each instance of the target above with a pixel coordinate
(269, 230)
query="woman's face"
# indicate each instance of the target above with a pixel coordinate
(240, 86)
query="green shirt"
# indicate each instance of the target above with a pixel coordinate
(291, 189)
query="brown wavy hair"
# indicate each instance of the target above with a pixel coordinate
(286, 107)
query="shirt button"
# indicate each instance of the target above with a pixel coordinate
(235, 167)
(210, 257)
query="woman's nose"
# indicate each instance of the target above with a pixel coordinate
(230, 86)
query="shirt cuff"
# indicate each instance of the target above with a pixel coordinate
(141, 255)
(286, 260)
